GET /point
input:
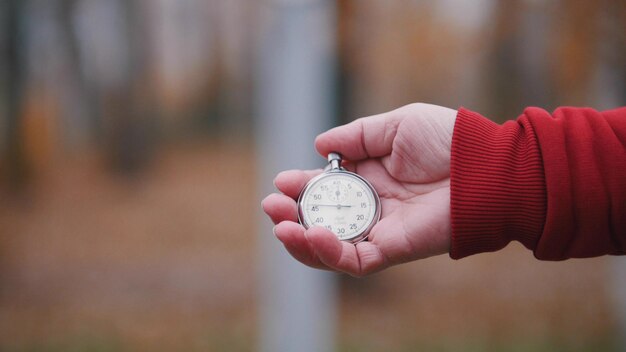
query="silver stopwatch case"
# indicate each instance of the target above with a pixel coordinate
(341, 201)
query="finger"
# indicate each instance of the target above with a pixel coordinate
(367, 137)
(291, 234)
(357, 260)
(279, 208)
(371, 257)
(291, 182)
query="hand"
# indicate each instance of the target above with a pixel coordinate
(405, 154)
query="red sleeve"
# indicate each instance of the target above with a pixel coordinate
(556, 183)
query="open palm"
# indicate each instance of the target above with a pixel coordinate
(405, 154)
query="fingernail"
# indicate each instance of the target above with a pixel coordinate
(276, 178)
(274, 230)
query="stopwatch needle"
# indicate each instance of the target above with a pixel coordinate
(332, 205)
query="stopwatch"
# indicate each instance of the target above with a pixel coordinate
(341, 201)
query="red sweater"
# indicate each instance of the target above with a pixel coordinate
(556, 183)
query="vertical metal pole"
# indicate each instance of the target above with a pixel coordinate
(294, 104)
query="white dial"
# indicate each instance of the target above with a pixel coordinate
(342, 202)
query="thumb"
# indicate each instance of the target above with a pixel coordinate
(367, 137)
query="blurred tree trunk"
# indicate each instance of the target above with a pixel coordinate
(576, 34)
(80, 105)
(14, 167)
(126, 105)
(505, 73)
(233, 58)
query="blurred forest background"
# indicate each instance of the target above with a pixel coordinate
(127, 171)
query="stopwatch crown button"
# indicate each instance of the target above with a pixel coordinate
(334, 160)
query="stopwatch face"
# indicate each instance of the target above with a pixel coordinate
(342, 202)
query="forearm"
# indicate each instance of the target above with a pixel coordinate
(554, 183)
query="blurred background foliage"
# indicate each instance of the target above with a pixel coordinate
(127, 171)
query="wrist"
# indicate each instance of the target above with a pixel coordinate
(497, 185)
